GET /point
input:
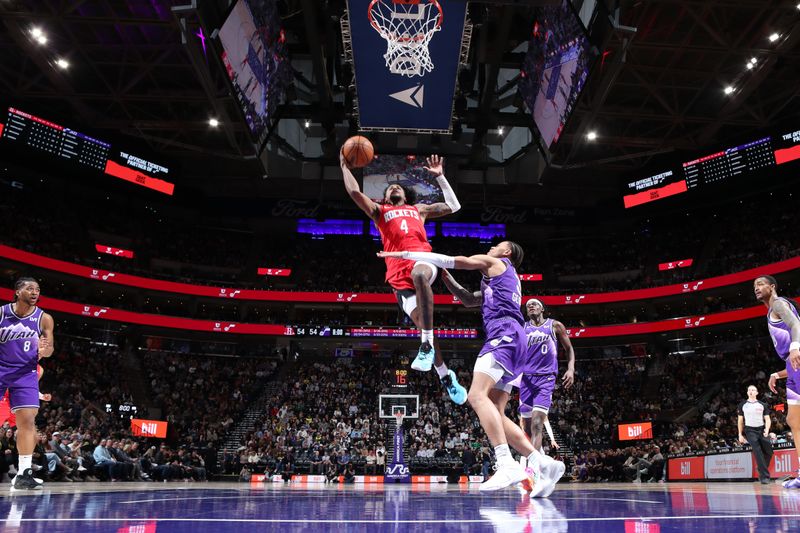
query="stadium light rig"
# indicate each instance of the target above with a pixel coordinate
(213, 122)
(592, 135)
(774, 37)
(38, 35)
(62, 63)
(728, 89)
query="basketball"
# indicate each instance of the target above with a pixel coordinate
(357, 151)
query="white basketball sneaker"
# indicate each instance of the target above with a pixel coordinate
(506, 475)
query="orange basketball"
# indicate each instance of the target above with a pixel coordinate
(357, 151)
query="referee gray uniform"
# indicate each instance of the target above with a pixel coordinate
(753, 412)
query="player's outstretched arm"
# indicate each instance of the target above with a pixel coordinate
(451, 204)
(351, 186)
(782, 308)
(490, 266)
(467, 298)
(561, 333)
(46, 340)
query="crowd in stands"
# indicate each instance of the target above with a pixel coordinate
(82, 436)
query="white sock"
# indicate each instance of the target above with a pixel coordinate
(24, 462)
(534, 458)
(503, 455)
(441, 370)
(427, 336)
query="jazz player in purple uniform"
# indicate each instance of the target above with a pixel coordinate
(783, 321)
(502, 357)
(26, 335)
(536, 387)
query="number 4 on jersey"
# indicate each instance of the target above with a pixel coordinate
(404, 226)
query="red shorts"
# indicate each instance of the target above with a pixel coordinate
(399, 276)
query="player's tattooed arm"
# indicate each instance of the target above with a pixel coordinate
(784, 311)
(439, 209)
(468, 298)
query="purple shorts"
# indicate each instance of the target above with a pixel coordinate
(22, 385)
(536, 393)
(792, 385)
(507, 342)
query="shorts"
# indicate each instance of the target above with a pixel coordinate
(536, 393)
(22, 385)
(792, 385)
(507, 342)
(487, 364)
(404, 288)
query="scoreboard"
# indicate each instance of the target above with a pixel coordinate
(717, 167)
(46, 136)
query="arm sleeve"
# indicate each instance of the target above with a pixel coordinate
(739, 409)
(449, 196)
(767, 410)
(440, 260)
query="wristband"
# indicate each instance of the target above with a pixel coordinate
(775, 375)
(794, 346)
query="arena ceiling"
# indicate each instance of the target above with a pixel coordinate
(136, 68)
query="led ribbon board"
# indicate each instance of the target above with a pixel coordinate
(406, 55)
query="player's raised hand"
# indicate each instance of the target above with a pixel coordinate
(435, 165)
(384, 253)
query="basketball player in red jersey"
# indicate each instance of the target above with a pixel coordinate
(402, 227)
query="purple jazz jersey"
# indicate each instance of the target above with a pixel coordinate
(782, 338)
(542, 347)
(536, 392)
(19, 353)
(502, 319)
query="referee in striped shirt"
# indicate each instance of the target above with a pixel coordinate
(754, 424)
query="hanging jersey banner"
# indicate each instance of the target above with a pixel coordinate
(406, 55)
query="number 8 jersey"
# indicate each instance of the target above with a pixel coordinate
(401, 229)
(19, 338)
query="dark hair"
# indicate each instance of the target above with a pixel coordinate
(769, 279)
(517, 254)
(21, 283)
(411, 194)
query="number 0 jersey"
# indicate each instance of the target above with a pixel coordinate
(401, 229)
(542, 347)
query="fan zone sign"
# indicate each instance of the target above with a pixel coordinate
(405, 55)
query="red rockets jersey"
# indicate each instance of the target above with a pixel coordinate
(401, 229)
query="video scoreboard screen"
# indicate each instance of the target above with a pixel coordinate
(715, 168)
(46, 136)
(394, 333)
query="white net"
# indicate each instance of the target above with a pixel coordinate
(408, 29)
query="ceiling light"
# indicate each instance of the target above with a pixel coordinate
(36, 31)
(41, 38)
(728, 89)
(500, 130)
(774, 37)
(592, 135)
(750, 66)
(753, 60)
(63, 64)
(213, 122)
(307, 124)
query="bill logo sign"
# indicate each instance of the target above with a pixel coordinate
(639, 431)
(149, 428)
(406, 55)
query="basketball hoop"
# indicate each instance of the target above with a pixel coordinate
(399, 417)
(408, 27)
